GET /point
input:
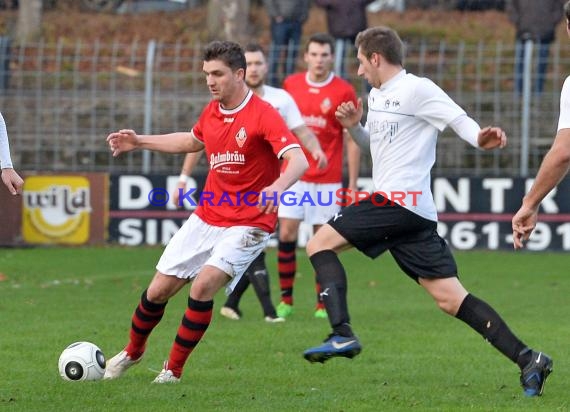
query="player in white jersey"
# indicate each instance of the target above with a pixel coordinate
(405, 116)
(282, 101)
(554, 166)
(11, 179)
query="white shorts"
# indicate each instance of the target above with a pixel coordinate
(313, 203)
(230, 249)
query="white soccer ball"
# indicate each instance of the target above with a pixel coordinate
(82, 361)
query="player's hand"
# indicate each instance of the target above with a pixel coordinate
(175, 196)
(349, 115)
(268, 201)
(491, 138)
(122, 141)
(524, 222)
(13, 181)
(320, 157)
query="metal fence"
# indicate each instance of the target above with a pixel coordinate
(61, 100)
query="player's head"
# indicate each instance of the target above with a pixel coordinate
(224, 66)
(378, 47)
(567, 16)
(319, 56)
(256, 65)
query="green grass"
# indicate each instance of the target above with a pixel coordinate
(414, 357)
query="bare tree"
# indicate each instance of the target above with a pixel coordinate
(228, 20)
(29, 20)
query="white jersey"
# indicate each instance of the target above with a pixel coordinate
(284, 104)
(564, 119)
(404, 118)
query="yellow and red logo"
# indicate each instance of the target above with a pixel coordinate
(56, 209)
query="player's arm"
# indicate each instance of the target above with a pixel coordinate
(297, 164)
(353, 160)
(487, 138)
(179, 142)
(311, 143)
(349, 117)
(11, 179)
(554, 167)
(190, 162)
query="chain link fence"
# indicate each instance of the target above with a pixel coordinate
(61, 100)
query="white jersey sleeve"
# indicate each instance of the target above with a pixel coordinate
(564, 118)
(283, 102)
(434, 105)
(5, 160)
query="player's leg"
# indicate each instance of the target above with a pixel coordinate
(231, 309)
(287, 263)
(366, 227)
(195, 321)
(436, 271)
(322, 250)
(318, 214)
(233, 250)
(174, 270)
(453, 299)
(320, 311)
(147, 315)
(259, 278)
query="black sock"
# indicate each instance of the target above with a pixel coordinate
(233, 299)
(483, 318)
(332, 278)
(258, 277)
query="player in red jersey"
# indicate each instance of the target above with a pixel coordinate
(317, 93)
(257, 274)
(244, 139)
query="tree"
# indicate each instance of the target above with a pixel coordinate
(29, 20)
(228, 20)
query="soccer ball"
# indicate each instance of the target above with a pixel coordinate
(82, 361)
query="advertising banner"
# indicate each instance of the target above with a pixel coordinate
(56, 209)
(474, 213)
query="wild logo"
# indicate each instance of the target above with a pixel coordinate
(56, 209)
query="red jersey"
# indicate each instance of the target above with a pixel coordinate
(317, 103)
(243, 147)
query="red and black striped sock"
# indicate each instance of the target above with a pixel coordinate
(287, 266)
(194, 324)
(146, 317)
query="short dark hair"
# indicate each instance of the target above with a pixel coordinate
(226, 51)
(253, 47)
(321, 38)
(567, 10)
(382, 40)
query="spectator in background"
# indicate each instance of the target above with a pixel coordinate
(10, 178)
(287, 19)
(344, 29)
(536, 21)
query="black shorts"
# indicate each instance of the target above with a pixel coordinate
(412, 240)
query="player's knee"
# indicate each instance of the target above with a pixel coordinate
(449, 306)
(157, 295)
(313, 246)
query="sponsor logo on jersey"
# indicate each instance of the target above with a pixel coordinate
(241, 137)
(228, 119)
(315, 121)
(227, 158)
(326, 105)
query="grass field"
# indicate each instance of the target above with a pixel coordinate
(414, 357)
